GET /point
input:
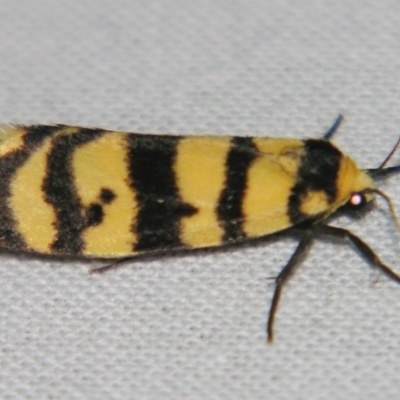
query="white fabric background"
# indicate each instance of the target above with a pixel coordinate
(193, 327)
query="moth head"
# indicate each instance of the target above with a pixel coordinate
(360, 185)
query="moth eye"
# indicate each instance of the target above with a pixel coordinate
(357, 200)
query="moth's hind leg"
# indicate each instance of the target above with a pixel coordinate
(146, 255)
(108, 267)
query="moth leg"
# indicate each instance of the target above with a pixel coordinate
(283, 277)
(109, 267)
(334, 127)
(365, 251)
(148, 255)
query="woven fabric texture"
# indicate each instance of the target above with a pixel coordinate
(193, 327)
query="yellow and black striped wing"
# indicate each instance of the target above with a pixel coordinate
(97, 193)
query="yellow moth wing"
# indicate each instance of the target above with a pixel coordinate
(100, 166)
(97, 193)
(200, 175)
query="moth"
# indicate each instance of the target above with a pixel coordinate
(94, 193)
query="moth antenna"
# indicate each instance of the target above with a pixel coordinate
(389, 156)
(382, 172)
(390, 205)
(334, 127)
